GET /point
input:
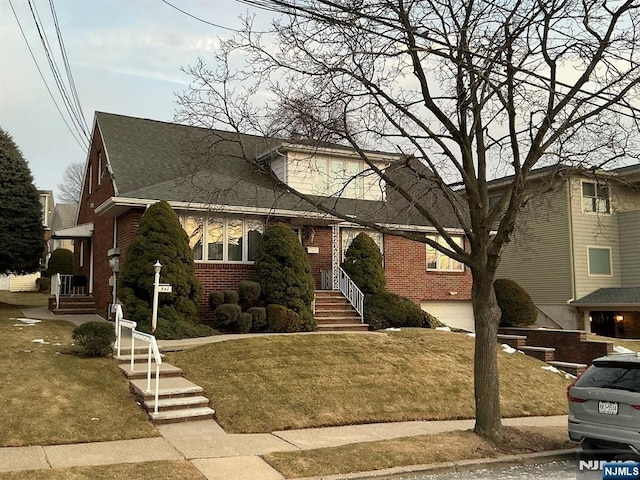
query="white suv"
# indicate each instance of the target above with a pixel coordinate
(604, 404)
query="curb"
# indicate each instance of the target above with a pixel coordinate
(453, 467)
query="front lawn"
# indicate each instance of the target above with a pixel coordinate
(286, 382)
(421, 450)
(49, 397)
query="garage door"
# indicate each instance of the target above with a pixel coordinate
(453, 314)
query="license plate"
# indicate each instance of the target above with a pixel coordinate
(608, 408)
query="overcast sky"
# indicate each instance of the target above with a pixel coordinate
(125, 56)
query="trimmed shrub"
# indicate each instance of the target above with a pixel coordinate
(230, 297)
(309, 323)
(60, 261)
(283, 270)
(249, 294)
(160, 237)
(243, 324)
(215, 300)
(178, 328)
(515, 304)
(43, 284)
(96, 338)
(258, 318)
(226, 315)
(386, 310)
(363, 264)
(281, 319)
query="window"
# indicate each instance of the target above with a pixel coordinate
(438, 261)
(223, 239)
(338, 176)
(348, 234)
(595, 198)
(599, 261)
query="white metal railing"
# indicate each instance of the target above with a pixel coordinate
(352, 292)
(153, 352)
(55, 288)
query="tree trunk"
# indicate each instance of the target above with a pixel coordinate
(486, 379)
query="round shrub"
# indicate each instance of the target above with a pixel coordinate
(516, 305)
(60, 261)
(258, 318)
(309, 323)
(283, 270)
(230, 297)
(43, 284)
(215, 300)
(226, 315)
(363, 264)
(243, 325)
(96, 338)
(281, 319)
(178, 328)
(249, 294)
(385, 310)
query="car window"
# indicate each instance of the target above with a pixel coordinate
(614, 375)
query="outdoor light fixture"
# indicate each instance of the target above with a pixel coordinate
(618, 318)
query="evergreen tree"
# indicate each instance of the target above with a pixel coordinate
(284, 273)
(363, 264)
(21, 230)
(160, 237)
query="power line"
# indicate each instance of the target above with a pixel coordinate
(83, 147)
(201, 19)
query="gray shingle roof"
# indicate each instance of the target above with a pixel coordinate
(166, 161)
(611, 296)
(64, 216)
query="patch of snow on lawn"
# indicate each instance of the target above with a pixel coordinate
(552, 369)
(40, 341)
(620, 349)
(443, 329)
(507, 348)
(25, 322)
(472, 335)
(391, 329)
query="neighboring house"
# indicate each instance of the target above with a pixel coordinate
(64, 216)
(224, 204)
(577, 251)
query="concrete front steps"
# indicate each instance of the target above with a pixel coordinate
(545, 354)
(334, 313)
(73, 305)
(179, 400)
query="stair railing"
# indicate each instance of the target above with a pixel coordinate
(55, 288)
(153, 352)
(351, 291)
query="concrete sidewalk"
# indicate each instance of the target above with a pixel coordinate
(222, 456)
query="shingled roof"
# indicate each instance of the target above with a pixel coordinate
(620, 296)
(156, 160)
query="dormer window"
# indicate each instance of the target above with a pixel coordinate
(595, 198)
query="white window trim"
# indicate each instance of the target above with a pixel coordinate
(99, 175)
(81, 260)
(438, 253)
(602, 275)
(596, 184)
(225, 252)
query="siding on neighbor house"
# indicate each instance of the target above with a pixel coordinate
(538, 258)
(629, 225)
(278, 165)
(593, 230)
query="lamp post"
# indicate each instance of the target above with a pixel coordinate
(156, 284)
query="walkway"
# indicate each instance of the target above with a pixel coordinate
(217, 454)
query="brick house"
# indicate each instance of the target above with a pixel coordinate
(224, 202)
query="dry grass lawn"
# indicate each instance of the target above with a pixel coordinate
(424, 449)
(286, 382)
(52, 398)
(177, 470)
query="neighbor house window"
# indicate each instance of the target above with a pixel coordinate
(599, 261)
(438, 261)
(595, 198)
(223, 239)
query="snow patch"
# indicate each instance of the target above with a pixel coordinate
(507, 348)
(25, 322)
(620, 349)
(472, 335)
(553, 369)
(40, 341)
(443, 329)
(392, 329)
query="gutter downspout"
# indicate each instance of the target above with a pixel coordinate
(572, 249)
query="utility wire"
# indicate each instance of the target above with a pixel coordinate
(83, 147)
(201, 19)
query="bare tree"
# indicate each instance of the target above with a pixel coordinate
(71, 187)
(471, 90)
